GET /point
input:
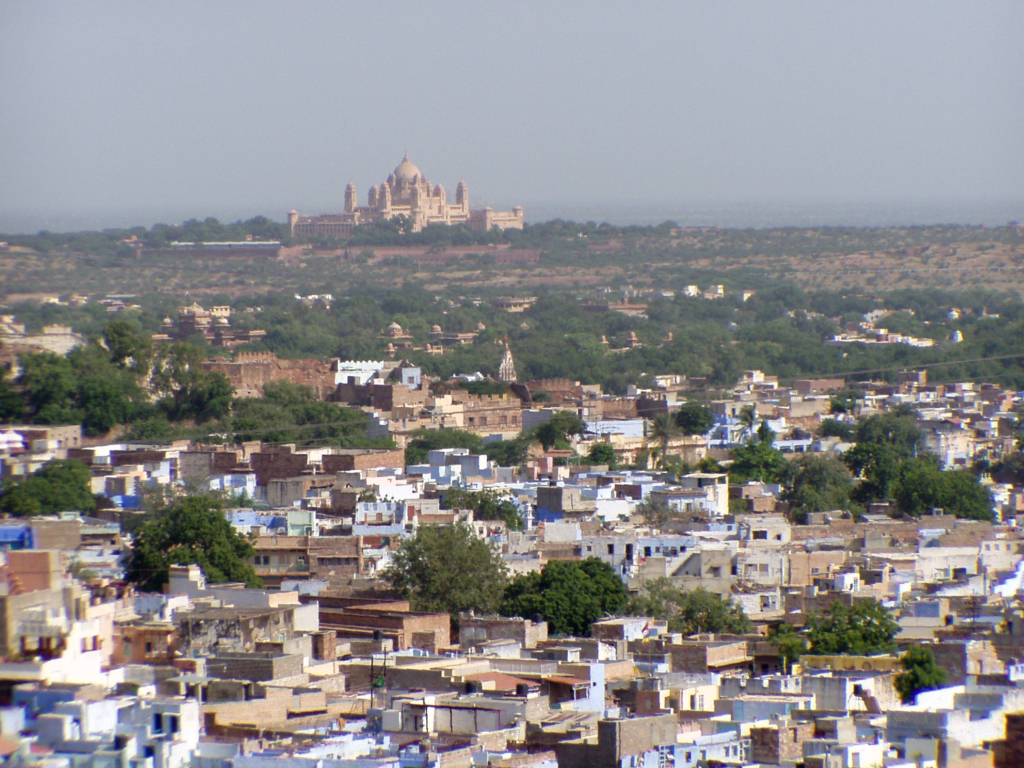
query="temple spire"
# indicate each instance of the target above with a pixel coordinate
(507, 369)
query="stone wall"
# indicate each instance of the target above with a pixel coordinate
(401, 626)
(779, 744)
(254, 666)
(353, 459)
(277, 466)
(974, 657)
(250, 371)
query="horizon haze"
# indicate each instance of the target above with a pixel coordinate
(736, 114)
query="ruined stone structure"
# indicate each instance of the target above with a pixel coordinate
(408, 193)
(250, 371)
(214, 325)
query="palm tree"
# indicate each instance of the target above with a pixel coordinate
(748, 417)
(663, 430)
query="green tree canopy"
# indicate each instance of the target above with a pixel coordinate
(128, 347)
(12, 407)
(602, 453)
(425, 440)
(897, 428)
(920, 673)
(757, 460)
(834, 428)
(817, 483)
(790, 644)
(187, 391)
(98, 385)
(694, 419)
(191, 529)
(655, 510)
(48, 383)
(921, 486)
(487, 504)
(569, 595)
(877, 465)
(57, 486)
(291, 413)
(507, 453)
(448, 569)
(555, 432)
(846, 401)
(692, 612)
(863, 629)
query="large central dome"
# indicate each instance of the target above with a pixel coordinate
(407, 170)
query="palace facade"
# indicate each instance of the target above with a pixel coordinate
(406, 192)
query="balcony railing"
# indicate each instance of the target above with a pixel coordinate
(51, 627)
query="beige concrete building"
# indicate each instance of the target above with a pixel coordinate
(406, 192)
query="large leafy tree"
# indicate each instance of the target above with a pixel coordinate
(863, 629)
(48, 383)
(187, 391)
(569, 595)
(104, 404)
(128, 347)
(98, 385)
(833, 428)
(555, 432)
(759, 461)
(898, 428)
(690, 612)
(448, 569)
(291, 413)
(920, 673)
(817, 483)
(58, 486)
(656, 511)
(877, 465)
(790, 644)
(487, 504)
(425, 440)
(602, 453)
(847, 401)
(921, 486)
(694, 419)
(507, 453)
(191, 529)
(12, 407)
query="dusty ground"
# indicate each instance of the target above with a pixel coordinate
(978, 263)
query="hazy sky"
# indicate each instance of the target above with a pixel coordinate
(118, 113)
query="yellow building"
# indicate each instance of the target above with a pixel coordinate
(406, 192)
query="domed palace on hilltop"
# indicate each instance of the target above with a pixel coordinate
(407, 192)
